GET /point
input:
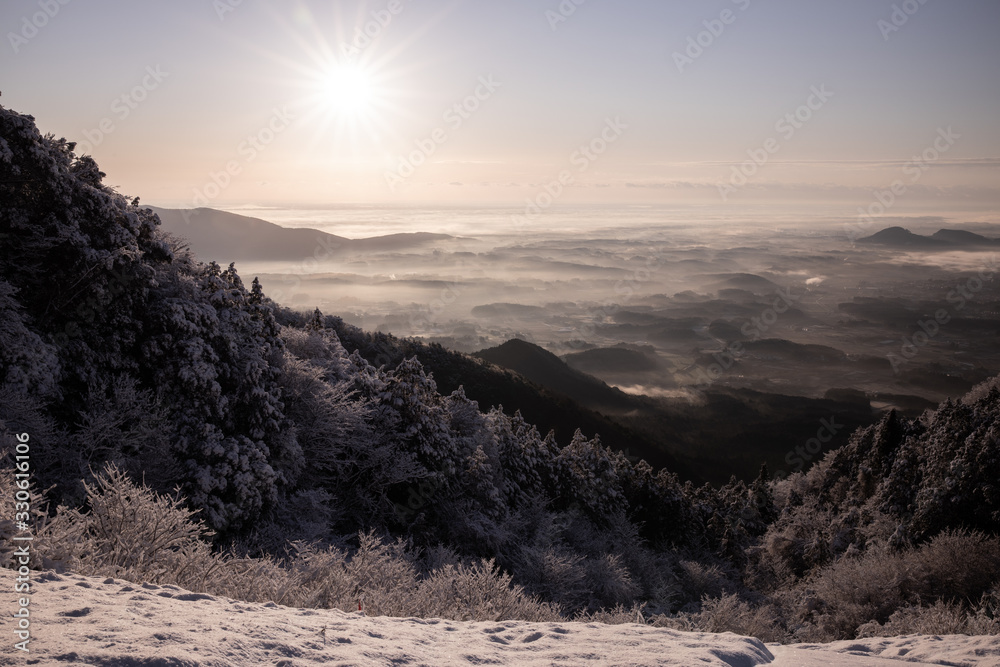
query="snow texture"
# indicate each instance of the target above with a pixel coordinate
(89, 621)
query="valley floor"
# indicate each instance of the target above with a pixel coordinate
(91, 621)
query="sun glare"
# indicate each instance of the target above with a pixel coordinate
(348, 90)
(348, 102)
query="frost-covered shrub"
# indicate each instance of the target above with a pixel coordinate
(730, 613)
(940, 618)
(479, 592)
(8, 491)
(854, 591)
(954, 565)
(381, 578)
(126, 426)
(610, 582)
(321, 348)
(619, 615)
(329, 418)
(701, 580)
(129, 531)
(556, 573)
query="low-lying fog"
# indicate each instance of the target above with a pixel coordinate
(655, 301)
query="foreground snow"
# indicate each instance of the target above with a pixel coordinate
(89, 621)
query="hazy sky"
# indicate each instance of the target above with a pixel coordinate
(228, 102)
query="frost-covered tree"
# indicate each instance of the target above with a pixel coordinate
(218, 350)
(591, 478)
(530, 463)
(481, 476)
(27, 363)
(410, 397)
(80, 255)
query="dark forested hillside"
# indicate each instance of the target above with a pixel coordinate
(120, 352)
(496, 386)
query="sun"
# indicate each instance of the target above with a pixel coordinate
(352, 96)
(347, 90)
(348, 102)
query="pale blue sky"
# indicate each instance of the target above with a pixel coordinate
(225, 74)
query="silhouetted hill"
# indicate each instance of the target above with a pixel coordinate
(394, 242)
(748, 282)
(508, 310)
(900, 237)
(786, 349)
(228, 237)
(548, 370)
(962, 237)
(618, 359)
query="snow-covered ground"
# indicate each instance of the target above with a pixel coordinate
(89, 621)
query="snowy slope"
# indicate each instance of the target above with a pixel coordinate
(88, 621)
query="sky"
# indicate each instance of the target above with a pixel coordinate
(523, 103)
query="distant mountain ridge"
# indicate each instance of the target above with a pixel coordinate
(900, 237)
(229, 237)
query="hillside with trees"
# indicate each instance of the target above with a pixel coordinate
(185, 429)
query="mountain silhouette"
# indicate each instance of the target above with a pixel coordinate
(962, 237)
(900, 237)
(546, 369)
(229, 237)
